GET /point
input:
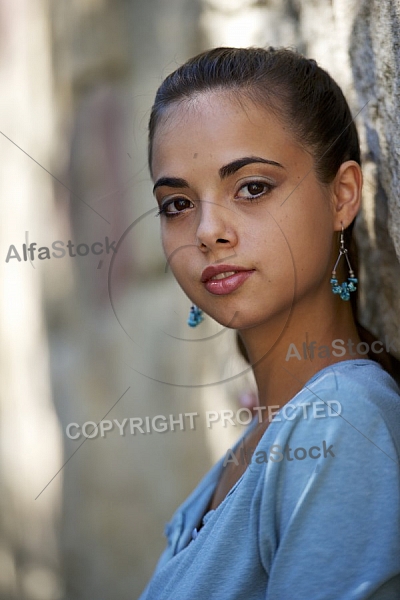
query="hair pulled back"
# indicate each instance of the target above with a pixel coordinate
(295, 88)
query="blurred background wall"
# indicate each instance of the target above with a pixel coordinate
(87, 336)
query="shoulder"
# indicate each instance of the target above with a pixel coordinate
(355, 376)
(354, 405)
(341, 431)
(338, 481)
(361, 393)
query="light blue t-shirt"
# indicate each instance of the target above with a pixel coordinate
(315, 516)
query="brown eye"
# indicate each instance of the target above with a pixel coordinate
(173, 207)
(256, 188)
(180, 204)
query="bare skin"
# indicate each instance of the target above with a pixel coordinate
(272, 218)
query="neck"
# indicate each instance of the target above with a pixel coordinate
(287, 352)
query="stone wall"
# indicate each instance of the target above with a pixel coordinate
(375, 61)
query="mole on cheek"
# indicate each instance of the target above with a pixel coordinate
(195, 155)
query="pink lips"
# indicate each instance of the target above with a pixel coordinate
(228, 284)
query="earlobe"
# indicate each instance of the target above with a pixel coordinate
(347, 193)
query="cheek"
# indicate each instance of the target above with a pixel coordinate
(165, 245)
(178, 255)
(307, 225)
(171, 239)
(269, 242)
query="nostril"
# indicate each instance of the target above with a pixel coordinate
(222, 241)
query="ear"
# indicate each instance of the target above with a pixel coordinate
(347, 187)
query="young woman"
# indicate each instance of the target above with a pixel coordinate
(256, 167)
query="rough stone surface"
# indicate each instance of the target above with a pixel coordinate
(375, 58)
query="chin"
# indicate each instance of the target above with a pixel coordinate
(236, 320)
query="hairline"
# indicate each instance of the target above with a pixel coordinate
(243, 92)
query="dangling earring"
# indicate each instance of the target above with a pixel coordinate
(347, 286)
(195, 316)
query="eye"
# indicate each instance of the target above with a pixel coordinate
(254, 189)
(174, 206)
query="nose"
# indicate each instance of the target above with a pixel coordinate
(216, 227)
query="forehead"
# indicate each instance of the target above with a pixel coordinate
(216, 127)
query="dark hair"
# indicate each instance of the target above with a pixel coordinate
(299, 92)
(294, 87)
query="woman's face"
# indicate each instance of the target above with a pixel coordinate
(238, 194)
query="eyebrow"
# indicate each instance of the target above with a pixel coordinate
(224, 171)
(235, 165)
(174, 182)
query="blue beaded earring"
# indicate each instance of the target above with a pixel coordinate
(195, 316)
(350, 285)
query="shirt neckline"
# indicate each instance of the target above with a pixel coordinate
(207, 485)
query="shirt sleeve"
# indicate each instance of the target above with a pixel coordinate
(334, 519)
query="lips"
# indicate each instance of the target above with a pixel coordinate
(212, 271)
(224, 279)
